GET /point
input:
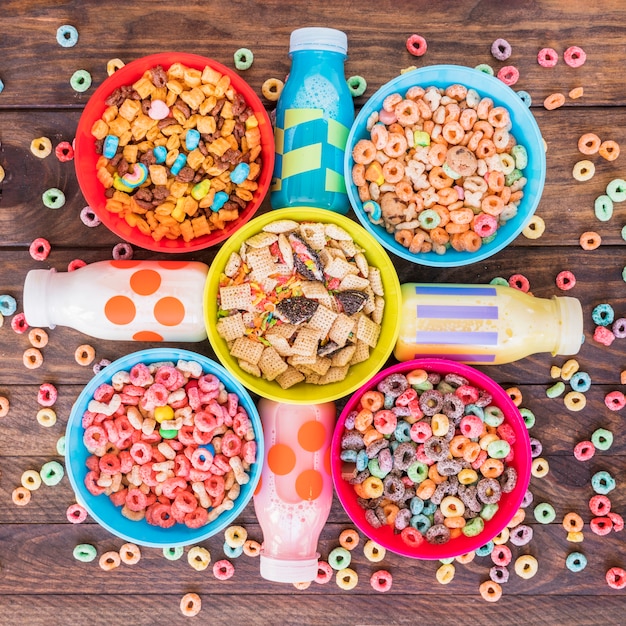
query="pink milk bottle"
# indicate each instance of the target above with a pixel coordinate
(295, 492)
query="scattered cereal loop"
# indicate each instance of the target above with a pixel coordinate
(67, 36)
(85, 552)
(51, 473)
(243, 59)
(357, 86)
(4, 406)
(554, 101)
(31, 480)
(53, 198)
(535, 228)
(38, 337)
(501, 49)
(603, 335)
(589, 143)
(130, 554)
(190, 604)
(113, 65)
(80, 80)
(20, 496)
(616, 578)
(508, 74)
(381, 580)
(8, 305)
(19, 323)
(615, 400)
(41, 147)
(485, 69)
(547, 57)
(2, 172)
(590, 240)
(46, 417)
(574, 56)
(64, 152)
(416, 45)
(490, 591)
(84, 354)
(346, 579)
(76, 513)
(603, 208)
(583, 170)
(576, 93)
(109, 561)
(565, 280)
(39, 249)
(223, 569)
(88, 217)
(609, 150)
(199, 558)
(75, 264)
(122, 251)
(272, 88)
(32, 358)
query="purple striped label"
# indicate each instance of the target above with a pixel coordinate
(454, 290)
(466, 358)
(458, 338)
(456, 312)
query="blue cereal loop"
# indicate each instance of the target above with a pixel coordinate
(160, 154)
(109, 147)
(486, 549)
(525, 97)
(603, 314)
(580, 381)
(576, 562)
(231, 552)
(219, 200)
(179, 163)
(240, 173)
(80, 80)
(373, 208)
(8, 305)
(602, 483)
(1, 86)
(192, 139)
(67, 36)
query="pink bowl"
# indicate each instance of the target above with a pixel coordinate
(509, 503)
(86, 157)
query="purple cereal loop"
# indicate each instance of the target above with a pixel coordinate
(455, 379)
(349, 421)
(527, 500)
(448, 467)
(393, 488)
(352, 441)
(385, 460)
(467, 493)
(360, 477)
(521, 535)
(536, 447)
(401, 411)
(89, 218)
(375, 447)
(404, 456)
(372, 519)
(452, 407)
(501, 49)
(402, 519)
(484, 399)
(436, 448)
(619, 327)
(489, 490)
(499, 574)
(439, 494)
(431, 402)
(434, 378)
(438, 517)
(508, 479)
(438, 534)
(393, 385)
(122, 251)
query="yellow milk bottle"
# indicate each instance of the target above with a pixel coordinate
(485, 324)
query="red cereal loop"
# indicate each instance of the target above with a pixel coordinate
(411, 536)
(519, 281)
(599, 505)
(381, 580)
(75, 264)
(416, 45)
(615, 400)
(601, 525)
(501, 555)
(604, 336)
(574, 56)
(584, 451)
(76, 514)
(47, 394)
(508, 74)
(39, 249)
(565, 280)
(547, 57)
(64, 151)
(223, 570)
(324, 573)
(618, 521)
(616, 578)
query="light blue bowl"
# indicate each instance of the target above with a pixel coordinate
(102, 509)
(525, 130)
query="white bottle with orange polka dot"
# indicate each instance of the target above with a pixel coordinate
(295, 492)
(125, 300)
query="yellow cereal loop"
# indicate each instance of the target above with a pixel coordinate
(235, 536)
(445, 574)
(555, 371)
(199, 558)
(575, 401)
(569, 368)
(583, 170)
(46, 417)
(41, 147)
(539, 467)
(130, 554)
(575, 536)
(113, 65)
(303, 585)
(373, 552)
(31, 480)
(272, 88)
(535, 228)
(2, 174)
(526, 566)
(502, 537)
(346, 578)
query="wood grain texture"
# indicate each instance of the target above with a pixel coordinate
(40, 582)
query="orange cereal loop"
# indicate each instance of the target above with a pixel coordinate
(572, 522)
(554, 101)
(589, 143)
(20, 496)
(609, 150)
(371, 435)
(490, 591)
(84, 355)
(38, 337)
(349, 538)
(372, 400)
(109, 560)
(491, 468)
(590, 240)
(4, 406)
(515, 394)
(130, 554)
(32, 358)
(251, 548)
(190, 604)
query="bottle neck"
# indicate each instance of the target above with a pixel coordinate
(310, 59)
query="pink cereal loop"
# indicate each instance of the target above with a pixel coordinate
(565, 280)
(19, 323)
(574, 56)
(615, 400)
(584, 450)
(508, 74)
(39, 249)
(75, 264)
(47, 394)
(381, 580)
(76, 514)
(547, 57)
(324, 573)
(416, 45)
(519, 281)
(223, 569)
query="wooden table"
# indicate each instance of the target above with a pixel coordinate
(40, 582)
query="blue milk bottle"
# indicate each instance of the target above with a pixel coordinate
(313, 118)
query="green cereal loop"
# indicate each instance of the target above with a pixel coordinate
(544, 513)
(616, 190)
(417, 472)
(493, 416)
(447, 561)
(576, 562)
(498, 449)
(173, 554)
(375, 470)
(602, 439)
(473, 527)
(528, 416)
(339, 558)
(80, 80)
(85, 552)
(488, 239)
(603, 208)
(485, 69)
(61, 446)
(498, 280)
(51, 473)
(602, 483)
(520, 155)
(357, 85)
(425, 386)
(53, 198)
(444, 387)
(509, 179)
(623, 233)
(624, 273)
(243, 59)
(556, 390)
(488, 511)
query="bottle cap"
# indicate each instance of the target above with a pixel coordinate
(571, 320)
(288, 570)
(318, 38)
(35, 296)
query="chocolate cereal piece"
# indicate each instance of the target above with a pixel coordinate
(296, 310)
(351, 301)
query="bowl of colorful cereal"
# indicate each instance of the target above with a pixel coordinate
(301, 305)
(431, 459)
(445, 165)
(174, 152)
(164, 447)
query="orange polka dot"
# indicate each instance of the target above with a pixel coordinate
(145, 282)
(120, 310)
(124, 263)
(258, 487)
(309, 484)
(169, 311)
(173, 265)
(327, 462)
(281, 459)
(147, 335)
(312, 435)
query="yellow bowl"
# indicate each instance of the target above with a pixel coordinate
(307, 393)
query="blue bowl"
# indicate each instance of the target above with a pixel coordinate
(102, 509)
(524, 129)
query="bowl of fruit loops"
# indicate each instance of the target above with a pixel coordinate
(445, 165)
(174, 152)
(302, 305)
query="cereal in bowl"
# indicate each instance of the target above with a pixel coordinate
(300, 302)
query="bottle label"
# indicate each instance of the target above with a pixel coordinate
(448, 329)
(309, 152)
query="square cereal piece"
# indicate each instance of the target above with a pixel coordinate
(376, 281)
(271, 364)
(322, 320)
(367, 331)
(250, 368)
(343, 356)
(312, 378)
(313, 233)
(302, 362)
(362, 353)
(232, 265)
(235, 297)
(341, 329)
(282, 330)
(320, 366)
(370, 303)
(290, 377)
(261, 240)
(306, 342)
(280, 344)
(361, 263)
(247, 349)
(248, 319)
(267, 285)
(336, 232)
(349, 248)
(334, 375)
(281, 226)
(260, 261)
(314, 289)
(340, 268)
(379, 307)
(231, 327)
(330, 302)
(351, 281)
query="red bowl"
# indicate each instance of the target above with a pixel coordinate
(509, 502)
(85, 155)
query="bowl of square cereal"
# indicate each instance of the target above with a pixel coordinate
(174, 152)
(164, 447)
(431, 459)
(301, 305)
(445, 165)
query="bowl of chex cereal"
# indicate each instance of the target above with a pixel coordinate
(174, 152)
(301, 305)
